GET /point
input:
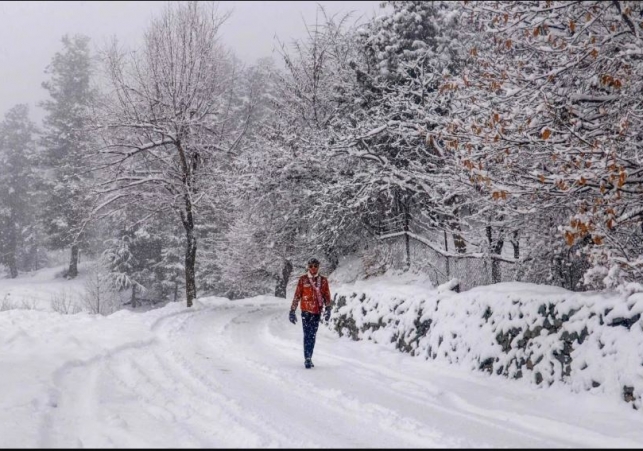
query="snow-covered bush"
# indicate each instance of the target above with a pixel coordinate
(6, 304)
(63, 302)
(26, 303)
(100, 296)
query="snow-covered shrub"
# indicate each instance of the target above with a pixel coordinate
(24, 304)
(64, 303)
(100, 295)
(6, 304)
(28, 304)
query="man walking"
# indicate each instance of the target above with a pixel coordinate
(314, 294)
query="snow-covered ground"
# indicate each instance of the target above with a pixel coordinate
(231, 374)
(38, 289)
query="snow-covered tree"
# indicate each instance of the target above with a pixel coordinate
(66, 145)
(17, 180)
(552, 122)
(249, 261)
(144, 258)
(171, 121)
(291, 195)
(388, 114)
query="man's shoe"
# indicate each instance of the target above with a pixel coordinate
(308, 363)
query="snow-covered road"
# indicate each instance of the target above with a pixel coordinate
(231, 374)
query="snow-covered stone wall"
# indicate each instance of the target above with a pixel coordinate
(541, 334)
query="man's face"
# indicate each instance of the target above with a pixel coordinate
(313, 268)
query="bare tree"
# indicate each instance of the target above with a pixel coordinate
(171, 121)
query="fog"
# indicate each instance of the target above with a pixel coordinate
(31, 33)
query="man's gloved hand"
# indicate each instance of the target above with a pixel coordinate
(327, 314)
(292, 317)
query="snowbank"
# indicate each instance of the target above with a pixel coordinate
(542, 334)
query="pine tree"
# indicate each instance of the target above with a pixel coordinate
(17, 207)
(66, 143)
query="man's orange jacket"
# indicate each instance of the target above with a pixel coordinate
(305, 294)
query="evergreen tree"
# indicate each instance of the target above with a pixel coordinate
(145, 258)
(66, 144)
(17, 148)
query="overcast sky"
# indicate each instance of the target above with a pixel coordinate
(31, 33)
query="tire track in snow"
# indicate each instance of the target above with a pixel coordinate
(73, 392)
(394, 428)
(533, 428)
(275, 434)
(59, 398)
(224, 376)
(168, 393)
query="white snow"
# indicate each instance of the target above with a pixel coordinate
(230, 374)
(36, 290)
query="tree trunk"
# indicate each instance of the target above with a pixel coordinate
(133, 300)
(190, 263)
(187, 217)
(331, 256)
(12, 245)
(282, 282)
(446, 248)
(73, 263)
(407, 239)
(11, 263)
(458, 240)
(496, 273)
(496, 248)
(460, 244)
(454, 225)
(176, 289)
(516, 244)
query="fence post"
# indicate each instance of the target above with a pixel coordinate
(446, 248)
(406, 236)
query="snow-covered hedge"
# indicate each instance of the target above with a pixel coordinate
(545, 335)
